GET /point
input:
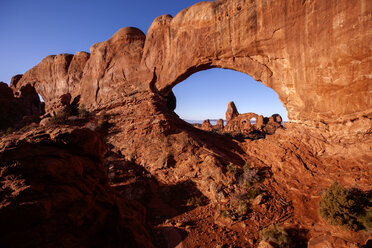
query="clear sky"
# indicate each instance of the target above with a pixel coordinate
(205, 95)
(33, 29)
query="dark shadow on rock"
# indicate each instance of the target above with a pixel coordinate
(162, 201)
(368, 244)
(169, 236)
(75, 105)
(298, 237)
(223, 145)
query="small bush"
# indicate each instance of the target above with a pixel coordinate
(232, 168)
(243, 208)
(226, 213)
(339, 207)
(366, 218)
(250, 176)
(275, 234)
(240, 203)
(252, 193)
(196, 201)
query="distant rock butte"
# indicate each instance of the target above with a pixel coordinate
(231, 111)
(248, 125)
(316, 55)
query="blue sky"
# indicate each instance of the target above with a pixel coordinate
(206, 94)
(32, 30)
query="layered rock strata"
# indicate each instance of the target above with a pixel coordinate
(302, 50)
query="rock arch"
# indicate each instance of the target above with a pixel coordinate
(277, 42)
(315, 55)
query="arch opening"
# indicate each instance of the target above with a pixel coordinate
(206, 94)
(40, 98)
(253, 120)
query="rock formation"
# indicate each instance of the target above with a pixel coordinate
(55, 192)
(241, 125)
(17, 106)
(315, 54)
(288, 52)
(231, 111)
(206, 125)
(219, 125)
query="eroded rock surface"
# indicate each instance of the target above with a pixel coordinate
(287, 45)
(231, 111)
(16, 107)
(54, 192)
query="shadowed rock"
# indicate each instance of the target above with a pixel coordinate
(15, 106)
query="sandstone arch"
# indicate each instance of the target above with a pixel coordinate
(280, 43)
(309, 52)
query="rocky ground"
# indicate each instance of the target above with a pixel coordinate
(88, 180)
(288, 194)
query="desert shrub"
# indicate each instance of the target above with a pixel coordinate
(228, 213)
(60, 119)
(243, 208)
(365, 218)
(252, 193)
(249, 176)
(339, 207)
(196, 201)
(232, 168)
(275, 234)
(83, 112)
(225, 213)
(239, 205)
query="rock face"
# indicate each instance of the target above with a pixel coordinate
(16, 106)
(282, 44)
(61, 105)
(54, 193)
